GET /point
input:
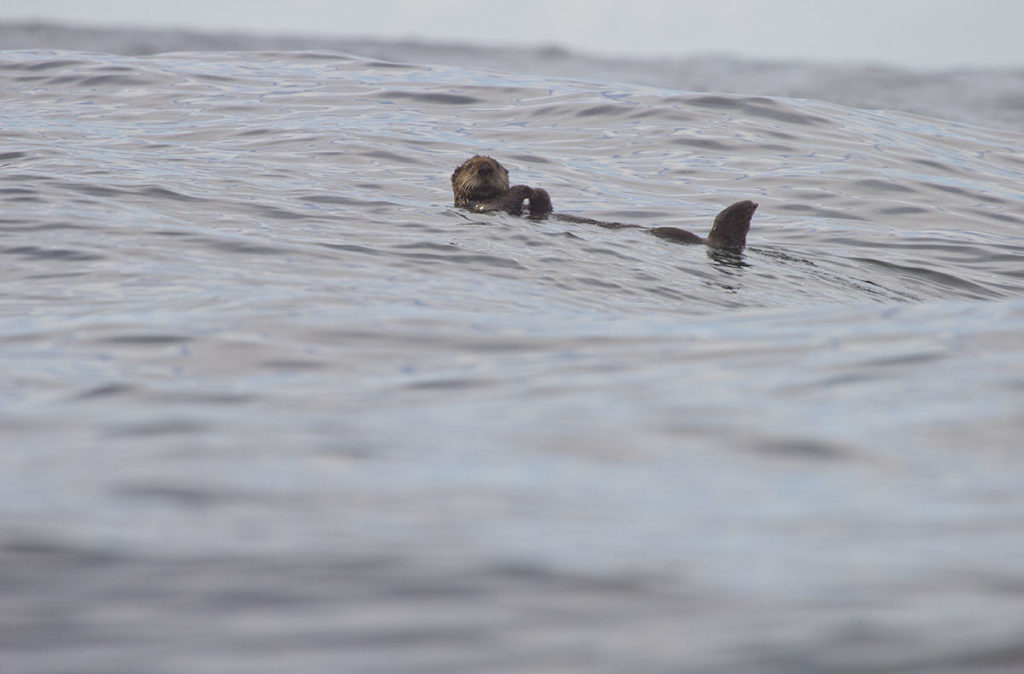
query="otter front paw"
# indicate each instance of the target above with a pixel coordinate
(512, 203)
(520, 192)
(540, 203)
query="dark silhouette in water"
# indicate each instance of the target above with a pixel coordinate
(481, 184)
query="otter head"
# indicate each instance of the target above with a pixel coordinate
(479, 179)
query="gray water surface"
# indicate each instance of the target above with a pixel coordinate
(271, 403)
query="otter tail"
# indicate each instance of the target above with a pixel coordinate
(731, 226)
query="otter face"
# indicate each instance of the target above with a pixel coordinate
(479, 179)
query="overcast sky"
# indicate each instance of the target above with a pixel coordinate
(914, 33)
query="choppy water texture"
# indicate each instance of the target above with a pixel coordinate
(271, 403)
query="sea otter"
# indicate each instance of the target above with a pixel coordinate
(481, 184)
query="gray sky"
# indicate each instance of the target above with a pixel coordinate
(913, 33)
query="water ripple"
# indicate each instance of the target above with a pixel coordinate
(246, 333)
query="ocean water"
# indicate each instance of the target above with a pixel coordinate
(271, 403)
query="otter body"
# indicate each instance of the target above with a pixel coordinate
(481, 184)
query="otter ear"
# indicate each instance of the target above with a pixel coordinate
(457, 171)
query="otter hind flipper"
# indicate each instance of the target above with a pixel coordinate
(731, 226)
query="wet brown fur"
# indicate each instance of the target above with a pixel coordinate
(481, 184)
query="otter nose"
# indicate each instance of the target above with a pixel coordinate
(486, 169)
